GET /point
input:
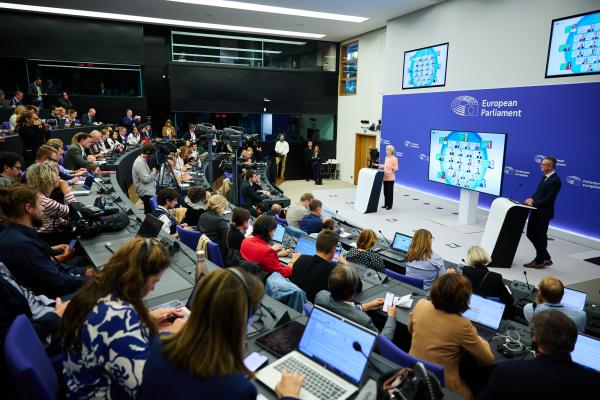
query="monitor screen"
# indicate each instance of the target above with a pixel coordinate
(329, 339)
(574, 299)
(326, 213)
(484, 311)
(401, 242)
(587, 352)
(574, 47)
(279, 232)
(468, 160)
(306, 246)
(425, 67)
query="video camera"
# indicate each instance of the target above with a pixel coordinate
(89, 221)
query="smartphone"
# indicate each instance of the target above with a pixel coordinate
(336, 256)
(72, 243)
(255, 361)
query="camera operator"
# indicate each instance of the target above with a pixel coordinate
(249, 195)
(144, 177)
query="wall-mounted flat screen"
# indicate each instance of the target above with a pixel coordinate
(468, 160)
(425, 67)
(574, 46)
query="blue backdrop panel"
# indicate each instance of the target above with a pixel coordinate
(561, 121)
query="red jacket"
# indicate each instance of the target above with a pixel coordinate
(255, 249)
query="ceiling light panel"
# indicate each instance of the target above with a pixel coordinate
(237, 5)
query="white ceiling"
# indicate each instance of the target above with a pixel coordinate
(378, 12)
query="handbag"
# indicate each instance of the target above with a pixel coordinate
(416, 383)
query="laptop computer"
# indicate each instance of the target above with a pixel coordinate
(326, 213)
(89, 181)
(587, 352)
(399, 247)
(150, 227)
(326, 356)
(306, 246)
(485, 314)
(279, 232)
(574, 299)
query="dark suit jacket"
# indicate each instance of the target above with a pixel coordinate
(547, 377)
(545, 195)
(64, 103)
(74, 160)
(493, 286)
(14, 102)
(213, 225)
(128, 123)
(188, 136)
(32, 92)
(311, 274)
(86, 120)
(250, 196)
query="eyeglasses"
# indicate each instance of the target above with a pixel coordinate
(19, 167)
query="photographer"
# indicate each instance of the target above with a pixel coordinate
(143, 177)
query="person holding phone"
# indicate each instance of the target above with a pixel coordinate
(205, 360)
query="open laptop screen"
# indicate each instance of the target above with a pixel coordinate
(326, 213)
(401, 242)
(328, 340)
(574, 299)
(587, 352)
(151, 227)
(279, 232)
(89, 181)
(484, 311)
(307, 246)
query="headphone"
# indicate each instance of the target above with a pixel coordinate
(242, 280)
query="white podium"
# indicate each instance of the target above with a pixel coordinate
(368, 190)
(503, 230)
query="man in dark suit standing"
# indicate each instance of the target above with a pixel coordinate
(543, 200)
(552, 374)
(34, 93)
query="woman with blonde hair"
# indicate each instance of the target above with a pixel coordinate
(363, 254)
(421, 262)
(12, 121)
(205, 359)
(55, 226)
(212, 223)
(485, 282)
(168, 131)
(390, 166)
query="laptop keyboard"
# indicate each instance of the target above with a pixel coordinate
(314, 383)
(484, 332)
(392, 254)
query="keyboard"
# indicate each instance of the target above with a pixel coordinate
(485, 332)
(314, 383)
(392, 254)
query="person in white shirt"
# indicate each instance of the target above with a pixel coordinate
(134, 138)
(282, 148)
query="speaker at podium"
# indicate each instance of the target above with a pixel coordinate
(368, 190)
(503, 230)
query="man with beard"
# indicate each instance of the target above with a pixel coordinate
(28, 258)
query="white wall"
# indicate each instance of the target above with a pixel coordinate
(366, 104)
(493, 43)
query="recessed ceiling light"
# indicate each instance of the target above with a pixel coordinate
(274, 10)
(156, 21)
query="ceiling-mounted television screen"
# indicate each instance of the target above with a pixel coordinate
(574, 46)
(425, 67)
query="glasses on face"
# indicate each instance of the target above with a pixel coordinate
(18, 167)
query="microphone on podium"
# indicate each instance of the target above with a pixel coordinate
(515, 192)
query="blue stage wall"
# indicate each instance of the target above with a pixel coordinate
(561, 121)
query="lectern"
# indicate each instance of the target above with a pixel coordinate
(503, 230)
(368, 190)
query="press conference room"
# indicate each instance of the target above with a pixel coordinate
(263, 199)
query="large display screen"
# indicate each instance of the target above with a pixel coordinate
(425, 67)
(468, 160)
(574, 46)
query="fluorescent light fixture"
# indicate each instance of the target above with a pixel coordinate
(248, 38)
(78, 67)
(66, 12)
(273, 10)
(212, 56)
(227, 48)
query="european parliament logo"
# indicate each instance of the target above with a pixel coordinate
(509, 170)
(538, 158)
(465, 106)
(574, 180)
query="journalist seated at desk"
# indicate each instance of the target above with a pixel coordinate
(212, 223)
(205, 360)
(552, 374)
(343, 285)
(29, 259)
(421, 261)
(549, 296)
(362, 253)
(486, 283)
(441, 335)
(311, 223)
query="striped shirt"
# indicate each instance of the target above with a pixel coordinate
(55, 214)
